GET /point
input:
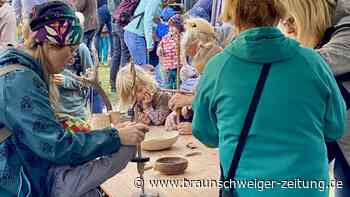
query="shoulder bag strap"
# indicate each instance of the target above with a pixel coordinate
(247, 123)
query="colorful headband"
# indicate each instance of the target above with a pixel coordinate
(60, 32)
(55, 22)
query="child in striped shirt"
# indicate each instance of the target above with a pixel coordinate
(168, 51)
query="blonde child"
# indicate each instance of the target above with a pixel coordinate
(169, 52)
(137, 87)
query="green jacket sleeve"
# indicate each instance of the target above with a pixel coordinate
(70, 83)
(32, 114)
(336, 114)
(151, 10)
(204, 121)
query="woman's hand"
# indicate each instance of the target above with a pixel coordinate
(124, 124)
(147, 101)
(58, 79)
(179, 101)
(148, 67)
(185, 111)
(143, 117)
(171, 122)
(185, 128)
(159, 51)
(132, 134)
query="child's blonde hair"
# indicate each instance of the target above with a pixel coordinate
(312, 18)
(129, 78)
(200, 31)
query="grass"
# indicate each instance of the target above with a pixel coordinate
(103, 73)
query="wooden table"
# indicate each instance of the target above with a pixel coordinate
(201, 167)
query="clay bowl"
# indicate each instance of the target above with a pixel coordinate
(159, 140)
(171, 165)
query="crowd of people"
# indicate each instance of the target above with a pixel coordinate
(265, 82)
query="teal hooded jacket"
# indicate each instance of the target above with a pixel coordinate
(38, 141)
(300, 109)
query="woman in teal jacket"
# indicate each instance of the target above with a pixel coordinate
(300, 107)
(31, 140)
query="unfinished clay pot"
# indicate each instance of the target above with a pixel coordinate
(115, 117)
(103, 120)
(171, 165)
(100, 121)
(159, 140)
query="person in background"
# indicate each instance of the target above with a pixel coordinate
(199, 42)
(36, 142)
(105, 26)
(7, 26)
(89, 9)
(120, 53)
(103, 46)
(169, 51)
(299, 86)
(162, 29)
(23, 9)
(329, 33)
(139, 32)
(72, 93)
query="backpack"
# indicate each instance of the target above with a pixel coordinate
(124, 13)
(341, 78)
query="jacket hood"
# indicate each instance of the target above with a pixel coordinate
(263, 45)
(341, 12)
(17, 56)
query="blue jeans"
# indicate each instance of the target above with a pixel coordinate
(153, 57)
(96, 103)
(104, 18)
(120, 52)
(341, 169)
(170, 78)
(103, 43)
(88, 37)
(137, 47)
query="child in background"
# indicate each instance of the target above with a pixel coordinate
(136, 87)
(168, 51)
(199, 43)
(189, 78)
(162, 28)
(103, 47)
